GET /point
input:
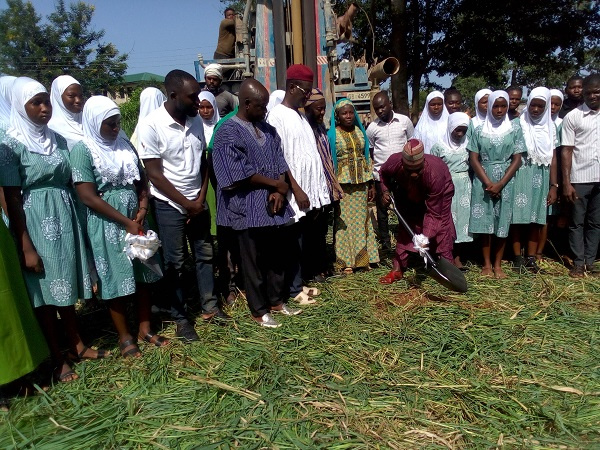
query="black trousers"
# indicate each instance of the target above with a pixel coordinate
(228, 261)
(262, 255)
(584, 229)
(314, 242)
(382, 218)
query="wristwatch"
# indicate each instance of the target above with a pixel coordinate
(555, 185)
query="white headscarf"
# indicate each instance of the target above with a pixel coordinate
(275, 99)
(115, 160)
(151, 98)
(213, 70)
(63, 121)
(556, 93)
(37, 138)
(491, 125)
(6, 84)
(456, 120)
(209, 125)
(429, 129)
(479, 116)
(539, 133)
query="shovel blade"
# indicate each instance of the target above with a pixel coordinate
(448, 275)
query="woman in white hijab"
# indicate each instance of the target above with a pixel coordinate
(36, 174)
(453, 150)
(481, 106)
(432, 124)
(495, 155)
(112, 184)
(151, 98)
(67, 101)
(556, 100)
(536, 183)
(6, 84)
(209, 112)
(275, 99)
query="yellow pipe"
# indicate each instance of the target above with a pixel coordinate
(297, 51)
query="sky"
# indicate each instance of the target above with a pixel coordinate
(159, 35)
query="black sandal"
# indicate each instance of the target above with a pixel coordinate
(132, 352)
(79, 357)
(160, 341)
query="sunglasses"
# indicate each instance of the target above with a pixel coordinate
(306, 92)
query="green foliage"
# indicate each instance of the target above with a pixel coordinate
(64, 43)
(130, 110)
(523, 42)
(237, 5)
(468, 87)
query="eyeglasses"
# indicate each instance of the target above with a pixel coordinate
(306, 92)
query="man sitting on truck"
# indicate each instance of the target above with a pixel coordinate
(226, 43)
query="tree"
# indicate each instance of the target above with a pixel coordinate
(64, 44)
(530, 43)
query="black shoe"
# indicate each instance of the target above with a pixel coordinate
(590, 269)
(577, 272)
(531, 265)
(219, 318)
(519, 264)
(185, 331)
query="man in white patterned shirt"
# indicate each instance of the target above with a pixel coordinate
(387, 135)
(581, 176)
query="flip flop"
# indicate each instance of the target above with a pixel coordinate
(63, 377)
(160, 341)
(311, 291)
(132, 352)
(391, 277)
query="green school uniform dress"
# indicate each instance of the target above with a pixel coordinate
(52, 221)
(458, 164)
(490, 215)
(117, 275)
(531, 185)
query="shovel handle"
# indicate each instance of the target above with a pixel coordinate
(400, 218)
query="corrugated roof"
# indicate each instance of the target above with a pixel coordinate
(143, 76)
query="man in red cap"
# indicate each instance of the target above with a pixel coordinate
(309, 191)
(423, 191)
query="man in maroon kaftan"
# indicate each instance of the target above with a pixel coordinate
(423, 190)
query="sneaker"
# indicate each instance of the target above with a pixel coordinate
(185, 331)
(304, 299)
(577, 272)
(287, 311)
(267, 321)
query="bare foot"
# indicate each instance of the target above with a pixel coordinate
(487, 272)
(499, 273)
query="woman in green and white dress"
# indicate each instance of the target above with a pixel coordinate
(36, 174)
(534, 178)
(453, 150)
(111, 182)
(495, 149)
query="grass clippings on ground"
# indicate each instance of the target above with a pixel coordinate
(514, 363)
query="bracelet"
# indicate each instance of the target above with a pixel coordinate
(554, 185)
(143, 207)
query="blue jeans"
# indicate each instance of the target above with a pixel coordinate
(175, 233)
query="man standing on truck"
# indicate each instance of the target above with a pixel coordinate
(226, 43)
(226, 101)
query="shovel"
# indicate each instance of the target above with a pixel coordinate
(442, 270)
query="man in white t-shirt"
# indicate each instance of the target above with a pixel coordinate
(172, 147)
(308, 186)
(387, 135)
(581, 177)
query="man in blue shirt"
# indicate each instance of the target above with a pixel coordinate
(250, 170)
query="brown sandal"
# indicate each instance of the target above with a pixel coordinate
(134, 351)
(160, 341)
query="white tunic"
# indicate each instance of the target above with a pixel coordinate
(301, 154)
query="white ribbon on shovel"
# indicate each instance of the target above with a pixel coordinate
(143, 247)
(420, 243)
